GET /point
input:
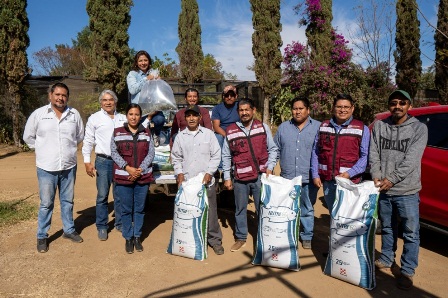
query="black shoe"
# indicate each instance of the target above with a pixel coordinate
(102, 234)
(73, 237)
(138, 244)
(42, 245)
(130, 246)
(405, 282)
(218, 249)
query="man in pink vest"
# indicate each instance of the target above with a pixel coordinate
(249, 150)
(340, 149)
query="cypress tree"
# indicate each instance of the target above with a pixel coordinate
(110, 57)
(266, 43)
(441, 39)
(407, 53)
(319, 30)
(189, 49)
(14, 38)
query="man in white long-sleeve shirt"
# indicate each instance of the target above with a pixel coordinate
(99, 130)
(54, 131)
(197, 150)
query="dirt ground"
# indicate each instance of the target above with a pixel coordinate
(103, 269)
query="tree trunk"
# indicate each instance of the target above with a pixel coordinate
(266, 109)
(15, 110)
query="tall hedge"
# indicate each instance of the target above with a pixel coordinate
(14, 41)
(189, 49)
(407, 54)
(266, 43)
(109, 22)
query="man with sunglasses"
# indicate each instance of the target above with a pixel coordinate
(225, 114)
(396, 150)
(340, 148)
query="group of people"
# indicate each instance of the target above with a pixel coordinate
(233, 142)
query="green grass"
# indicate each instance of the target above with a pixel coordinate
(15, 211)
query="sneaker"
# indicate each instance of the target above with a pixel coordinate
(102, 234)
(395, 269)
(238, 245)
(405, 282)
(129, 246)
(42, 245)
(306, 244)
(138, 244)
(73, 237)
(218, 249)
(156, 141)
(380, 265)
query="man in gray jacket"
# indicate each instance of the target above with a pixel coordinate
(396, 148)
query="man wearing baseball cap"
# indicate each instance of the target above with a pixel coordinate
(396, 148)
(225, 113)
(196, 150)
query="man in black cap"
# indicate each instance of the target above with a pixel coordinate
(396, 149)
(225, 114)
(196, 150)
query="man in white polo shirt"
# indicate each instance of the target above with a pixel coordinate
(54, 131)
(99, 130)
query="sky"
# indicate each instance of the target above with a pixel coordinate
(226, 28)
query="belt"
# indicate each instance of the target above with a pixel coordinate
(104, 156)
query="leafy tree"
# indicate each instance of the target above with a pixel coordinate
(110, 57)
(320, 80)
(167, 67)
(14, 38)
(65, 59)
(407, 54)
(212, 68)
(83, 45)
(266, 43)
(427, 79)
(441, 38)
(189, 48)
(321, 70)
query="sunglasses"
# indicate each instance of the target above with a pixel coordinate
(399, 102)
(229, 93)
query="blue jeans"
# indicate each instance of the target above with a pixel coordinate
(159, 120)
(242, 190)
(133, 199)
(407, 208)
(329, 193)
(48, 183)
(104, 175)
(308, 197)
(220, 139)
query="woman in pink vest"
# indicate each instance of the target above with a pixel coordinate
(132, 150)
